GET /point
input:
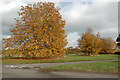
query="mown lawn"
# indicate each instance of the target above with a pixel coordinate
(68, 58)
(109, 67)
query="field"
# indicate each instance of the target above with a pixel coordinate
(67, 58)
(106, 67)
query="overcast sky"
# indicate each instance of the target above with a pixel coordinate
(101, 16)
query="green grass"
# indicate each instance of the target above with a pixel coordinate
(68, 58)
(109, 67)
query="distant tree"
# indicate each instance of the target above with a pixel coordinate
(38, 32)
(118, 38)
(70, 47)
(118, 41)
(89, 43)
(108, 45)
(71, 50)
(90, 30)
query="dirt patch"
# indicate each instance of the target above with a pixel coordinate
(37, 58)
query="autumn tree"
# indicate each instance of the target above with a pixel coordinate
(89, 43)
(38, 32)
(108, 45)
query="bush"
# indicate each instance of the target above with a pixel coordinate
(71, 51)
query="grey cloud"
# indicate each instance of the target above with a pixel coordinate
(100, 16)
(7, 20)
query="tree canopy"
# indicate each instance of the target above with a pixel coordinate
(90, 43)
(37, 32)
(108, 45)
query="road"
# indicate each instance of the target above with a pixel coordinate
(34, 71)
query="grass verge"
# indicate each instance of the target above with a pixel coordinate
(68, 58)
(106, 67)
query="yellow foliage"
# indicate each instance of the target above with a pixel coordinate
(43, 31)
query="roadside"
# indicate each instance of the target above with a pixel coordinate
(37, 70)
(110, 67)
(84, 66)
(67, 58)
(37, 73)
(51, 64)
